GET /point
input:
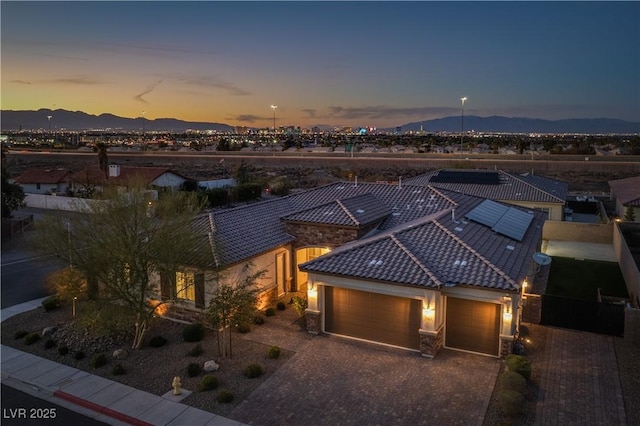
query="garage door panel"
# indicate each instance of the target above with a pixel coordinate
(472, 325)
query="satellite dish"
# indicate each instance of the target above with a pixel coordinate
(541, 258)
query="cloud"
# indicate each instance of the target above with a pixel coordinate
(82, 80)
(311, 113)
(210, 81)
(20, 82)
(247, 118)
(139, 97)
(385, 112)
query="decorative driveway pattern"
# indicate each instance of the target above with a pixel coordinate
(333, 380)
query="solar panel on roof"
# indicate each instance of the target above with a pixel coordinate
(504, 220)
(488, 213)
(455, 176)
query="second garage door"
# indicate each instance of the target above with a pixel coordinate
(371, 316)
(473, 326)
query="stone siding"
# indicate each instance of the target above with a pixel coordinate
(532, 309)
(430, 342)
(314, 321)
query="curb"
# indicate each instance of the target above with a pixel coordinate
(100, 409)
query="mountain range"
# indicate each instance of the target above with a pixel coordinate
(78, 120)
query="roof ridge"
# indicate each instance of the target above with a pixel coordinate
(413, 257)
(475, 253)
(532, 186)
(442, 195)
(346, 210)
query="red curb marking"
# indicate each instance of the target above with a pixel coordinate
(100, 409)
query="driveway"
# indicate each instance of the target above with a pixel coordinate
(333, 380)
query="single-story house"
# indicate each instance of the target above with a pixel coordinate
(410, 266)
(528, 190)
(626, 194)
(44, 181)
(153, 177)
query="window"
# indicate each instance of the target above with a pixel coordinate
(185, 286)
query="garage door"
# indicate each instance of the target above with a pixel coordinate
(473, 326)
(371, 316)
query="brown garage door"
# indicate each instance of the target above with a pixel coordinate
(472, 325)
(371, 316)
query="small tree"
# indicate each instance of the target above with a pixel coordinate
(12, 194)
(234, 302)
(629, 214)
(68, 283)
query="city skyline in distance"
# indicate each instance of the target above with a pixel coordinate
(359, 64)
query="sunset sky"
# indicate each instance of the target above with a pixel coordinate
(377, 64)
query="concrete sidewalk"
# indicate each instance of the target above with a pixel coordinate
(94, 396)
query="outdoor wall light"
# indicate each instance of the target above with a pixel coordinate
(429, 313)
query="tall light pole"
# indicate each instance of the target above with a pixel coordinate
(143, 124)
(49, 119)
(463, 99)
(274, 107)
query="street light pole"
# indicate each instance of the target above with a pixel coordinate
(143, 123)
(274, 107)
(463, 99)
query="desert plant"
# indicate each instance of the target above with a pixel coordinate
(157, 341)
(63, 350)
(118, 370)
(520, 365)
(258, 320)
(224, 396)
(281, 306)
(195, 351)
(193, 369)
(243, 328)
(50, 303)
(50, 343)
(20, 334)
(193, 332)
(300, 305)
(208, 382)
(78, 355)
(99, 360)
(270, 312)
(273, 352)
(512, 381)
(252, 371)
(30, 339)
(511, 403)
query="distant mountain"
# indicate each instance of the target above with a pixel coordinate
(500, 124)
(78, 120)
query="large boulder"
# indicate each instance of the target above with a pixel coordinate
(211, 365)
(48, 331)
(120, 354)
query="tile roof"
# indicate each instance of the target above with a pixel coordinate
(95, 175)
(512, 187)
(46, 176)
(627, 191)
(356, 211)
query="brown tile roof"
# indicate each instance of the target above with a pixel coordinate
(627, 191)
(47, 176)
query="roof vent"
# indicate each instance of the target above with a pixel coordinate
(360, 211)
(510, 247)
(375, 262)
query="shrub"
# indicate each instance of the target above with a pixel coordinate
(99, 360)
(520, 365)
(243, 328)
(63, 350)
(208, 383)
(79, 355)
(20, 334)
(511, 403)
(252, 371)
(273, 352)
(281, 306)
(193, 332)
(193, 369)
(258, 320)
(157, 341)
(300, 304)
(195, 351)
(270, 312)
(50, 303)
(118, 370)
(30, 339)
(50, 343)
(512, 381)
(246, 192)
(224, 396)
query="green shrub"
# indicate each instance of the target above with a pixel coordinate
(281, 306)
(118, 370)
(511, 403)
(217, 197)
(300, 305)
(30, 339)
(63, 350)
(270, 312)
(258, 320)
(157, 341)
(195, 351)
(193, 369)
(280, 186)
(79, 355)
(50, 343)
(520, 365)
(193, 332)
(273, 352)
(252, 371)
(99, 360)
(208, 383)
(50, 303)
(246, 192)
(244, 328)
(512, 381)
(224, 397)
(20, 334)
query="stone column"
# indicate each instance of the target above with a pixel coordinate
(430, 342)
(314, 321)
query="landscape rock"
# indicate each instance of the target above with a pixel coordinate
(211, 366)
(120, 354)
(48, 331)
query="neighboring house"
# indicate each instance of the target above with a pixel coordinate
(530, 191)
(44, 181)
(409, 266)
(626, 194)
(93, 178)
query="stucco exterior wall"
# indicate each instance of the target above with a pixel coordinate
(55, 202)
(627, 264)
(579, 232)
(168, 180)
(45, 188)
(555, 210)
